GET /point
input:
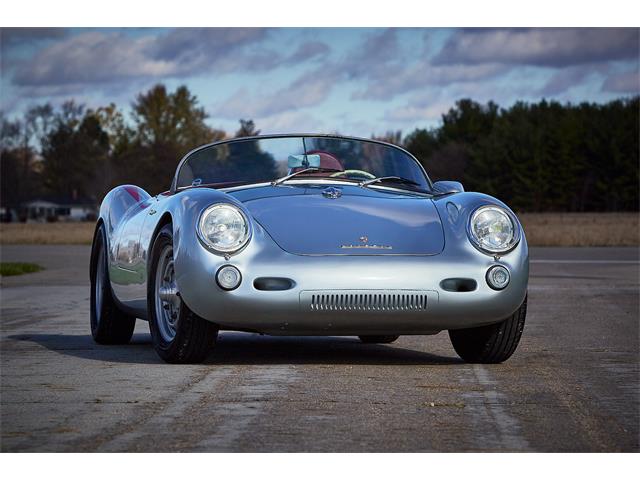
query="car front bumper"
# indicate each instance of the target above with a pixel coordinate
(349, 295)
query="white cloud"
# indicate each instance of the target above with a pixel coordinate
(415, 113)
(540, 46)
(626, 82)
(291, 122)
(308, 90)
(102, 57)
(422, 75)
(92, 57)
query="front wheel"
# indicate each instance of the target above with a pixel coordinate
(492, 343)
(178, 334)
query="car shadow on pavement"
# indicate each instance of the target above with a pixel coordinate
(235, 348)
(138, 350)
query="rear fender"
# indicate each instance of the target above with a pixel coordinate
(117, 204)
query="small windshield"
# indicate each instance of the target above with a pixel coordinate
(254, 160)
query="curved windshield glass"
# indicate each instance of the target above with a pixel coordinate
(254, 160)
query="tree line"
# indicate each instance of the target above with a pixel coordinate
(543, 156)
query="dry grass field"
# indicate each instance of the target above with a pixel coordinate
(581, 229)
(542, 229)
(47, 233)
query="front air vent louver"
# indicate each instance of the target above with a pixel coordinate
(366, 301)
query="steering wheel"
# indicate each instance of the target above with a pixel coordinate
(357, 173)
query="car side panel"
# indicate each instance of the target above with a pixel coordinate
(123, 212)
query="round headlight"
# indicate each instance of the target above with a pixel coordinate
(224, 228)
(491, 229)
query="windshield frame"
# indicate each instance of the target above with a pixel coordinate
(174, 182)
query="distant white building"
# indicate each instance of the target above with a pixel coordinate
(62, 210)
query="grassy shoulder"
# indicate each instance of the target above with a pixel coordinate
(9, 269)
(542, 229)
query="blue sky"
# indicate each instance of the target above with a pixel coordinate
(354, 81)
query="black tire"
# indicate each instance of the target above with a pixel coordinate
(378, 338)
(109, 325)
(491, 343)
(193, 337)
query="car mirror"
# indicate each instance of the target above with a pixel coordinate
(303, 161)
(447, 186)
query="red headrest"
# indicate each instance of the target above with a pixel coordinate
(327, 160)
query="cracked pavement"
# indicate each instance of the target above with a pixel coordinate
(572, 385)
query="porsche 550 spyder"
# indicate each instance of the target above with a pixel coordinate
(308, 235)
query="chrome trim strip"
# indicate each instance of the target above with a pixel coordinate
(365, 300)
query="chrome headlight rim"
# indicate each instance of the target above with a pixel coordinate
(475, 241)
(216, 249)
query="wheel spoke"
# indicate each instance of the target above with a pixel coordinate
(98, 285)
(167, 297)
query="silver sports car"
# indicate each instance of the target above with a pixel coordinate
(308, 235)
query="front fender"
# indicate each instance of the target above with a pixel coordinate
(455, 211)
(116, 206)
(183, 211)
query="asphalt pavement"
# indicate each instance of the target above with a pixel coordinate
(572, 385)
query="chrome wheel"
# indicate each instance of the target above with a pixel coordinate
(167, 298)
(98, 284)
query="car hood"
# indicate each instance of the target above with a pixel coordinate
(360, 221)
